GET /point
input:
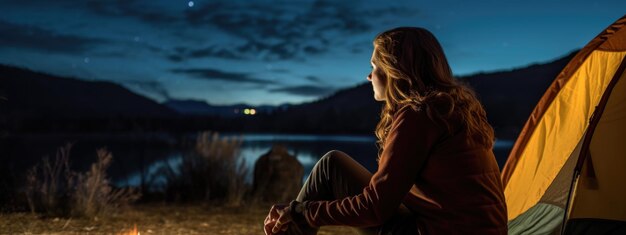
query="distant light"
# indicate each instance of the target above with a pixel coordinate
(246, 111)
(190, 4)
(86, 60)
(252, 111)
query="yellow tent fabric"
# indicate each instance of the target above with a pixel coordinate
(559, 131)
(602, 194)
(559, 141)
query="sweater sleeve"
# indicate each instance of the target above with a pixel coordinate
(407, 146)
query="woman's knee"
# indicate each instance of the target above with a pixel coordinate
(333, 157)
(330, 160)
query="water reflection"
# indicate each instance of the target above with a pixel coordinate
(307, 148)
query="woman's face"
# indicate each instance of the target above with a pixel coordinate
(377, 83)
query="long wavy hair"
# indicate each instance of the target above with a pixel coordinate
(416, 73)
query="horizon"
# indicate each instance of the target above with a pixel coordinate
(274, 53)
(290, 104)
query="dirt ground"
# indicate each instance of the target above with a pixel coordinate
(152, 219)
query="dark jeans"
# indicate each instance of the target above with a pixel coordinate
(336, 175)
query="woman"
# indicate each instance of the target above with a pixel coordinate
(436, 170)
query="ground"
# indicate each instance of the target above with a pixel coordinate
(152, 219)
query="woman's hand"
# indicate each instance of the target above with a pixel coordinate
(277, 220)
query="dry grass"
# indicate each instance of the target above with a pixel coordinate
(212, 171)
(92, 193)
(52, 189)
(47, 184)
(153, 219)
(212, 175)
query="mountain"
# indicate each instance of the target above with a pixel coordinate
(202, 108)
(348, 111)
(37, 102)
(30, 94)
(508, 97)
(65, 103)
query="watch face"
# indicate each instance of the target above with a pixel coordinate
(299, 207)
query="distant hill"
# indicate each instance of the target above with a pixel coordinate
(508, 96)
(349, 111)
(202, 108)
(59, 103)
(30, 94)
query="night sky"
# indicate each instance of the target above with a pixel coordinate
(275, 52)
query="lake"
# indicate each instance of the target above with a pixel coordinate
(134, 153)
(307, 149)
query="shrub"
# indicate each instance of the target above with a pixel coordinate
(53, 189)
(47, 184)
(213, 171)
(93, 195)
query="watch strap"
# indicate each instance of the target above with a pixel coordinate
(297, 212)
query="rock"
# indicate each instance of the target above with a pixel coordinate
(277, 176)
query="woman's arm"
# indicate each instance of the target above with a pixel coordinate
(410, 139)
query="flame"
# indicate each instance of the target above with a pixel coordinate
(131, 232)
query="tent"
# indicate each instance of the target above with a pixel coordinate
(566, 172)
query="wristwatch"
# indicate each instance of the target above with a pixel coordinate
(297, 210)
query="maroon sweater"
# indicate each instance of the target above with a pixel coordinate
(452, 187)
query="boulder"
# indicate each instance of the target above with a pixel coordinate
(277, 176)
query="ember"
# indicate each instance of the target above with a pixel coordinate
(131, 232)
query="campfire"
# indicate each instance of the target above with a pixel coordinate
(133, 231)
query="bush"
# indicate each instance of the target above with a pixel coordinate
(53, 189)
(213, 172)
(47, 184)
(93, 195)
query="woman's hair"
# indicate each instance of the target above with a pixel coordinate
(416, 73)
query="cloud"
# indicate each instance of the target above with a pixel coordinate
(284, 31)
(134, 9)
(264, 30)
(278, 70)
(181, 54)
(305, 90)
(214, 74)
(152, 87)
(313, 79)
(39, 39)
(175, 58)
(268, 30)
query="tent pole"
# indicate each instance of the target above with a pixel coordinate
(585, 152)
